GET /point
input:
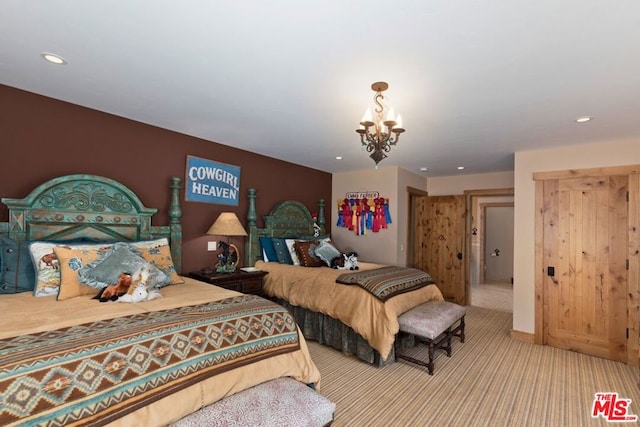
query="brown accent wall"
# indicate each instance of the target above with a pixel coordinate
(42, 138)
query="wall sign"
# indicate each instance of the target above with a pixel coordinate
(211, 182)
(362, 195)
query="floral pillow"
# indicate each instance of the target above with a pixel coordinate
(47, 265)
(158, 253)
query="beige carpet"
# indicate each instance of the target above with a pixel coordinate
(491, 380)
(497, 296)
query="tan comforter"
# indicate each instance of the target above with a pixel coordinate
(23, 313)
(316, 289)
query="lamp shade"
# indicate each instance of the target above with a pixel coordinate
(227, 224)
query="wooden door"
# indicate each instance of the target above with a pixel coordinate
(418, 231)
(442, 244)
(585, 244)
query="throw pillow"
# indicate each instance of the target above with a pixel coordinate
(16, 268)
(105, 270)
(306, 254)
(268, 250)
(282, 252)
(292, 251)
(71, 260)
(326, 252)
(47, 266)
(158, 253)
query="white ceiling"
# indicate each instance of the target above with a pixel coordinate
(475, 81)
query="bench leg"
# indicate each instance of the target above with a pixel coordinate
(458, 331)
(431, 355)
(447, 348)
(430, 345)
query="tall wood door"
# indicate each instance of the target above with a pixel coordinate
(418, 231)
(585, 246)
(441, 243)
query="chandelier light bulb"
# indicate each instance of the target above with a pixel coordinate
(398, 122)
(391, 116)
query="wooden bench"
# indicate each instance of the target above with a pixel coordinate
(280, 402)
(433, 323)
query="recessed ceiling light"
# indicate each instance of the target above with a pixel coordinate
(56, 59)
(338, 157)
(424, 169)
(584, 119)
(460, 168)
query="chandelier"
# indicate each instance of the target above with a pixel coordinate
(378, 137)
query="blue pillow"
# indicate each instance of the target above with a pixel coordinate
(282, 251)
(16, 267)
(121, 259)
(326, 252)
(268, 249)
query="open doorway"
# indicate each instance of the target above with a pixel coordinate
(469, 255)
(496, 243)
(490, 249)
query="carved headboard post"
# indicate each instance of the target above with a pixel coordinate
(251, 245)
(175, 214)
(321, 218)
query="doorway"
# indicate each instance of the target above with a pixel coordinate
(489, 264)
(496, 243)
(418, 232)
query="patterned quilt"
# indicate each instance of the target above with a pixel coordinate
(94, 373)
(386, 282)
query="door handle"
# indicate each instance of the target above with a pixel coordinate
(551, 272)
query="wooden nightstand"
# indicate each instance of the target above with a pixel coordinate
(241, 281)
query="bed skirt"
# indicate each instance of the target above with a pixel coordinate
(333, 333)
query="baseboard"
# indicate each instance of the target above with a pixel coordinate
(523, 336)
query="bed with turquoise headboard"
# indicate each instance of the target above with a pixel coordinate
(69, 359)
(347, 318)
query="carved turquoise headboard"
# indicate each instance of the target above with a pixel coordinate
(91, 207)
(286, 219)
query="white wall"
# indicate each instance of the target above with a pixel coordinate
(389, 245)
(406, 179)
(457, 184)
(617, 153)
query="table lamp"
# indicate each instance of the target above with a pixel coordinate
(227, 224)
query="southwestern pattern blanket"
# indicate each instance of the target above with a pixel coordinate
(94, 373)
(386, 282)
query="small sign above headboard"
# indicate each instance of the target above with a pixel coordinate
(211, 182)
